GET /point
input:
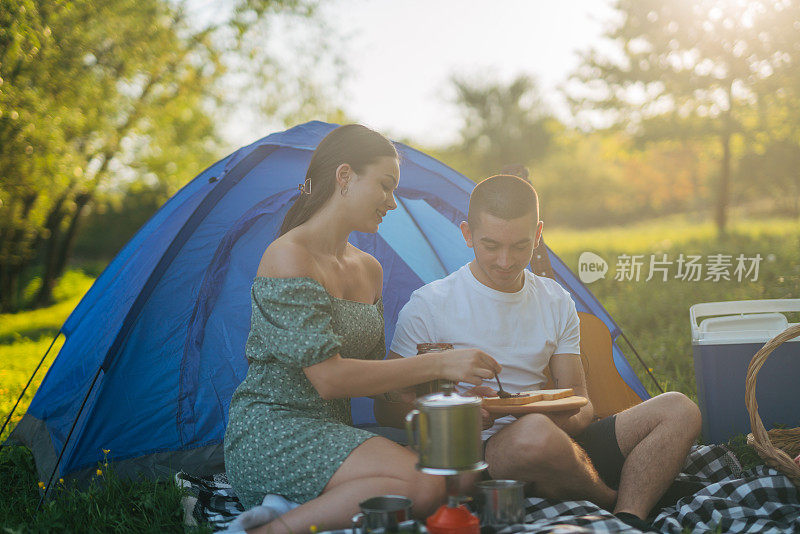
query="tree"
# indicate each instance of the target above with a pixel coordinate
(688, 68)
(96, 94)
(770, 165)
(503, 124)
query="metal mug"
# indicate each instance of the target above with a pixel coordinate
(449, 430)
(384, 513)
(501, 502)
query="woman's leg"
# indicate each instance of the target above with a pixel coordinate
(376, 467)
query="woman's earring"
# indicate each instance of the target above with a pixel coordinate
(343, 191)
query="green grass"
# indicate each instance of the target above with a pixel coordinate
(24, 338)
(654, 315)
(108, 504)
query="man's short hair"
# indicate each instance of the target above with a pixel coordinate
(504, 196)
(516, 169)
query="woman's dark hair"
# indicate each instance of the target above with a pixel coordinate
(354, 144)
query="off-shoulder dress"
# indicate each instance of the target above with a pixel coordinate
(282, 437)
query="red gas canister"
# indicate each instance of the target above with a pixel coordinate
(453, 520)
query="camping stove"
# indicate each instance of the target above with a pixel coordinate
(449, 432)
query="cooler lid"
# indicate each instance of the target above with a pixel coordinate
(754, 321)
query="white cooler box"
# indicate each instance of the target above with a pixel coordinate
(723, 344)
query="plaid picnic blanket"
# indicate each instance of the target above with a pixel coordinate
(730, 500)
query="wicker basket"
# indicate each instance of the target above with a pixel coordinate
(779, 446)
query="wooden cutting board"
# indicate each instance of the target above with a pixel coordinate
(526, 397)
(573, 402)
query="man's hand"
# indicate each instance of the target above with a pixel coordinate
(487, 418)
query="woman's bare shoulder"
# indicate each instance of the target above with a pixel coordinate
(285, 258)
(373, 269)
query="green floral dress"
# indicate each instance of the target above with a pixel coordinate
(282, 437)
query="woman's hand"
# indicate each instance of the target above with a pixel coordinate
(467, 365)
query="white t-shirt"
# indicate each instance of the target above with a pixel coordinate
(520, 330)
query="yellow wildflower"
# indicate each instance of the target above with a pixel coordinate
(106, 451)
(313, 529)
(99, 472)
(41, 484)
(60, 480)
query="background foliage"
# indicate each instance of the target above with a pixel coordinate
(683, 137)
(107, 109)
(102, 100)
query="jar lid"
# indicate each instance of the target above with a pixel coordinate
(424, 348)
(446, 398)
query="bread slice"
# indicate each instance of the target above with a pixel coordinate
(553, 394)
(524, 397)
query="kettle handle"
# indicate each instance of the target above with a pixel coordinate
(410, 429)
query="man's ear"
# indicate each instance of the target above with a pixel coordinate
(466, 232)
(538, 234)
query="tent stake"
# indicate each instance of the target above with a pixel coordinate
(26, 386)
(647, 369)
(66, 441)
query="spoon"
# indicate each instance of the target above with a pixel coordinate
(503, 394)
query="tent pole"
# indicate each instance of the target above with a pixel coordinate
(66, 441)
(647, 369)
(26, 386)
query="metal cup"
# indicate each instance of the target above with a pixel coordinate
(448, 428)
(501, 502)
(384, 513)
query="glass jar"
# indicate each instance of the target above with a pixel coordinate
(434, 386)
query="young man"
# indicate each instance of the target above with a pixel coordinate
(623, 463)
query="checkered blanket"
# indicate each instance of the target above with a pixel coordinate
(731, 500)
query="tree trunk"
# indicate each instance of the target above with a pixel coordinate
(17, 258)
(723, 192)
(50, 244)
(65, 248)
(7, 300)
(724, 183)
(9, 287)
(5, 258)
(50, 261)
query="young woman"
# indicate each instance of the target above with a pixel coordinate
(316, 339)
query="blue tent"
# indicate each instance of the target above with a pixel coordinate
(155, 349)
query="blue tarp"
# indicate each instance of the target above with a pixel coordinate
(168, 318)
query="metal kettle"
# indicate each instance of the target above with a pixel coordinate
(449, 431)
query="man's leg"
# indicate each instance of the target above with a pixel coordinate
(533, 449)
(655, 438)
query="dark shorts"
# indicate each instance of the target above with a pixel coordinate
(599, 440)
